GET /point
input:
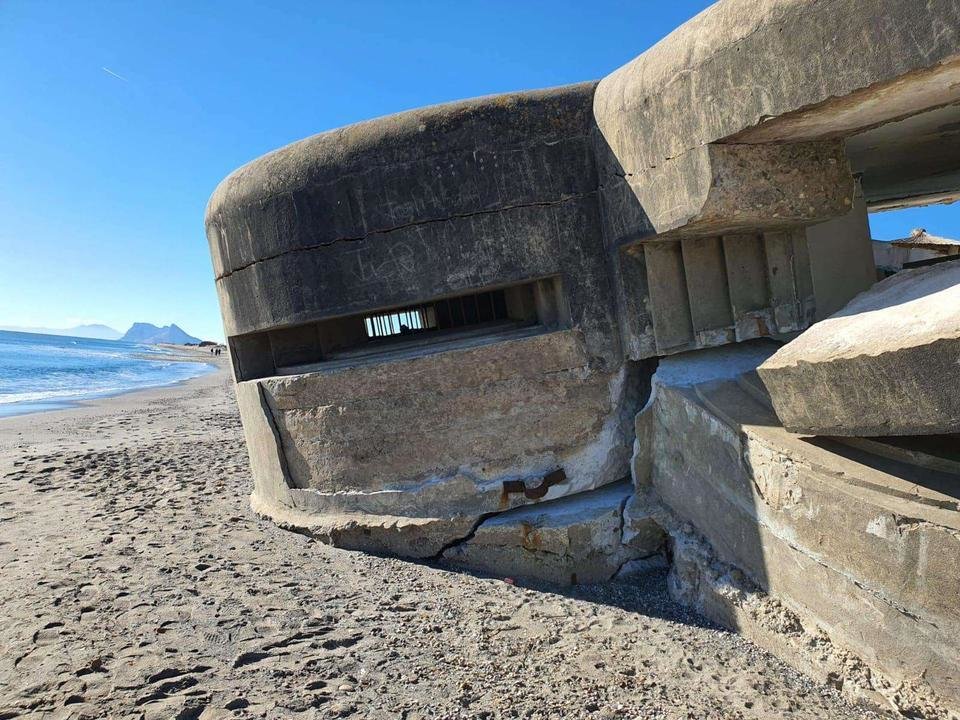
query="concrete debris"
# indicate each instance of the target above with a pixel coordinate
(880, 366)
(724, 594)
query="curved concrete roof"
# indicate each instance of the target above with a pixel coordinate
(412, 167)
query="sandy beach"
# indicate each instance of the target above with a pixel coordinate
(137, 583)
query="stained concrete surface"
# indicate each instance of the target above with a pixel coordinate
(698, 196)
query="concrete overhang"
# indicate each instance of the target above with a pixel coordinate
(762, 72)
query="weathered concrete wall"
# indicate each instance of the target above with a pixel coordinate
(725, 594)
(862, 548)
(841, 258)
(437, 428)
(414, 206)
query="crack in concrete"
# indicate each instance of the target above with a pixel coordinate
(405, 226)
(862, 586)
(278, 436)
(910, 524)
(466, 538)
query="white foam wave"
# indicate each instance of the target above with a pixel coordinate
(40, 396)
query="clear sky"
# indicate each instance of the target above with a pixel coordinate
(119, 118)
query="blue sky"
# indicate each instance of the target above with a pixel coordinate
(104, 179)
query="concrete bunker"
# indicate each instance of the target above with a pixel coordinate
(477, 226)
(544, 251)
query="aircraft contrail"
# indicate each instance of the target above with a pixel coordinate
(111, 72)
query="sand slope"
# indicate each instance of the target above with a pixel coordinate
(137, 583)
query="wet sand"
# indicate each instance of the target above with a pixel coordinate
(136, 582)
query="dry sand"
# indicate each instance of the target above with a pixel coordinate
(136, 582)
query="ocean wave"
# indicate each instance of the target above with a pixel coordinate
(55, 371)
(65, 394)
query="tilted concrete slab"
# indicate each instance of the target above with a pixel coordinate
(887, 364)
(579, 539)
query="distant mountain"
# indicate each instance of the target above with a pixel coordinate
(94, 332)
(152, 335)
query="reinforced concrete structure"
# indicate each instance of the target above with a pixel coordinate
(446, 325)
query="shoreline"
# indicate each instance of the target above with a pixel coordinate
(37, 427)
(172, 353)
(74, 426)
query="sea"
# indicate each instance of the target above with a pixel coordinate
(50, 372)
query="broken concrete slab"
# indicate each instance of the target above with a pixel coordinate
(419, 538)
(884, 365)
(567, 541)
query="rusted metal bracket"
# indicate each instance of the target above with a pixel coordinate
(535, 493)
